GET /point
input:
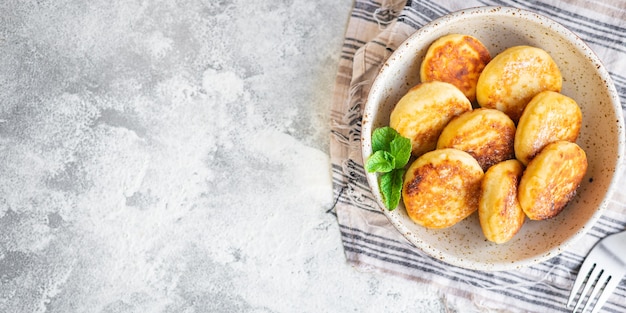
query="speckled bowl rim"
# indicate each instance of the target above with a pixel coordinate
(582, 48)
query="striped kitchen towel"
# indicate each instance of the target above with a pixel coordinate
(374, 30)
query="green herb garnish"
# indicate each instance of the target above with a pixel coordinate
(390, 153)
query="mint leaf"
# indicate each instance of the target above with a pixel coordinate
(381, 161)
(391, 152)
(382, 137)
(391, 188)
(400, 148)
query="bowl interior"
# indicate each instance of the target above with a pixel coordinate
(584, 79)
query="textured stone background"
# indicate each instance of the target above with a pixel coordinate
(172, 156)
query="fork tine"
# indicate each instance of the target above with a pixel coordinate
(584, 274)
(594, 272)
(597, 287)
(608, 290)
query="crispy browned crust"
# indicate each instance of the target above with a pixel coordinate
(442, 188)
(423, 112)
(551, 179)
(548, 117)
(514, 77)
(456, 59)
(486, 134)
(499, 211)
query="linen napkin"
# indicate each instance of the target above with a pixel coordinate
(371, 243)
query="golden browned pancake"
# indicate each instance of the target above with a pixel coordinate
(515, 76)
(423, 112)
(486, 134)
(548, 117)
(456, 59)
(499, 211)
(442, 188)
(551, 179)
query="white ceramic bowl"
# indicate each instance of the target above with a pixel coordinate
(602, 135)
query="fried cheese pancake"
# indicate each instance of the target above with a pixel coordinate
(499, 211)
(515, 76)
(548, 117)
(441, 188)
(456, 59)
(423, 112)
(551, 179)
(486, 134)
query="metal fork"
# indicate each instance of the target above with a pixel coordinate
(601, 272)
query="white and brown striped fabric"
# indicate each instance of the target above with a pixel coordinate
(374, 30)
